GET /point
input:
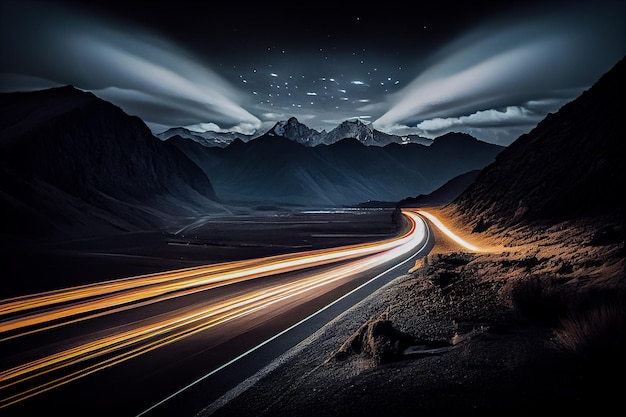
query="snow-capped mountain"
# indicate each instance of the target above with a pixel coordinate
(296, 131)
(362, 132)
(208, 138)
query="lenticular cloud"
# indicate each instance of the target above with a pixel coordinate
(145, 75)
(511, 116)
(504, 66)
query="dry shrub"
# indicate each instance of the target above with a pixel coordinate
(595, 326)
(540, 301)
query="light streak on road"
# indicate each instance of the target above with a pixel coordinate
(70, 363)
(448, 232)
(157, 287)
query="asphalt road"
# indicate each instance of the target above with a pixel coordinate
(171, 343)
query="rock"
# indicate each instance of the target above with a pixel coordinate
(378, 339)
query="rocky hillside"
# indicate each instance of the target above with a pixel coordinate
(444, 194)
(571, 164)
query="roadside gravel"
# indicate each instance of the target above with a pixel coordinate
(470, 352)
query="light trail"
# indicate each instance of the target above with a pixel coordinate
(157, 287)
(293, 326)
(149, 337)
(448, 232)
(46, 373)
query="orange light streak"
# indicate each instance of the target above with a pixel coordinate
(448, 232)
(160, 286)
(155, 332)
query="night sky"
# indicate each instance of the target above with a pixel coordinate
(407, 67)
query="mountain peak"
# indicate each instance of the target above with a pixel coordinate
(207, 138)
(454, 140)
(353, 128)
(294, 130)
(61, 91)
(298, 132)
(45, 105)
(454, 136)
(357, 122)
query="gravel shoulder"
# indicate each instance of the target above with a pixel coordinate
(447, 339)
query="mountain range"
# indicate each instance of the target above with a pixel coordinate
(273, 169)
(208, 138)
(76, 165)
(356, 129)
(299, 132)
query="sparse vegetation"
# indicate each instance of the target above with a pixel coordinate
(595, 326)
(538, 300)
(607, 235)
(591, 324)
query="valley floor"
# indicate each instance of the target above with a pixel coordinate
(45, 264)
(485, 332)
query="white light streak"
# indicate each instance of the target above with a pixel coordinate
(448, 232)
(127, 342)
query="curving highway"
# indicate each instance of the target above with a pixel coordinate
(145, 344)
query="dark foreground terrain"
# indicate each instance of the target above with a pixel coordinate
(535, 324)
(44, 264)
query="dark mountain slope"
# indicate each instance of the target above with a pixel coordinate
(450, 155)
(275, 169)
(444, 194)
(74, 164)
(570, 165)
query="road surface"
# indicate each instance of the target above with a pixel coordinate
(148, 345)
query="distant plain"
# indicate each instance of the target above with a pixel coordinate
(264, 231)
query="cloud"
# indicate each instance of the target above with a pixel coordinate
(243, 128)
(506, 65)
(511, 116)
(204, 127)
(499, 126)
(145, 75)
(495, 126)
